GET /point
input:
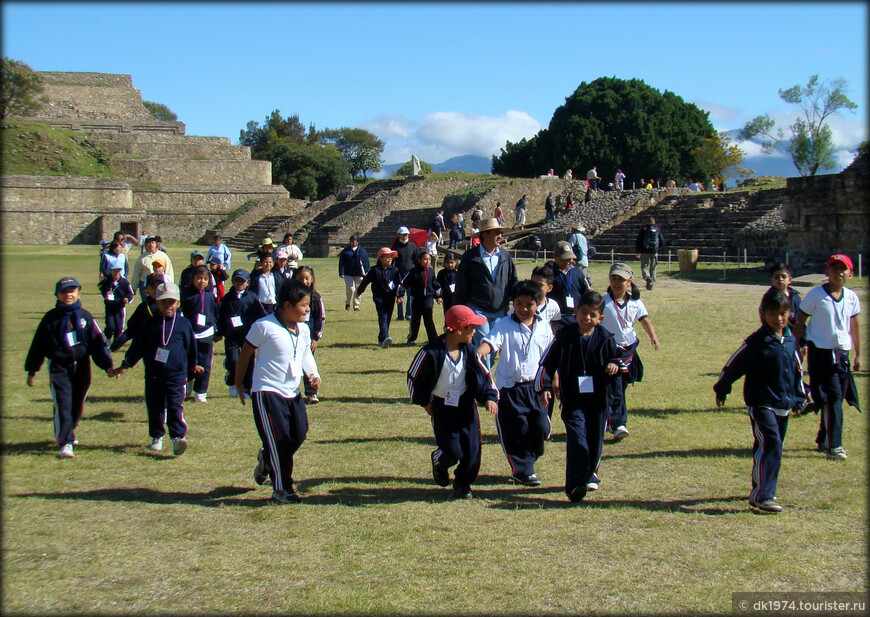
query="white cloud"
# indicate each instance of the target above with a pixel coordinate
(720, 115)
(445, 134)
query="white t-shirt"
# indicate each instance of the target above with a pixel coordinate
(281, 356)
(829, 316)
(619, 319)
(452, 377)
(520, 349)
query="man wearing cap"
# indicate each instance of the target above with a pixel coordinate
(569, 283)
(484, 279)
(353, 264)
(144, 266)
(405, 261)
(580, 245)
(67, 335)
(219, 253)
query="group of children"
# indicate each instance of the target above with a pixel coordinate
(582, 351)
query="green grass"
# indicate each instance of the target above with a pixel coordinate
(31, 148)
(118, 530)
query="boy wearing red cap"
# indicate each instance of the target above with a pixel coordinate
(448, 380)
(385, 281)
(830, 314)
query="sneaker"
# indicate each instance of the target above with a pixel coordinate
(234, 392)
(200, 397)
(66, 451)
(620, 433)
(768, 505)
(837, 453)
(285, 497)
(156, 444)
(261, 471)
(462, 493)
(179, 445)
(356, 308)
(649, 285)
(75, 441)
(594, 483)
(820, 448)
(387, 342)
(441, 476)
(530, 480)
(577, 494)
(312, 399)
(347, 307)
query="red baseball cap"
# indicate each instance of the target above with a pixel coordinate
(843, 259)
(458, 316)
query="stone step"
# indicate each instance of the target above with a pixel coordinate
(215, 172)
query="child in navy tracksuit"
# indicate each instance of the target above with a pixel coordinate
(772, 389)
(448, 380)
(238, 311)
(315, 319)
(67, 335)
(386, 291)
(117, 294)
(587, 359)
(425, 289)
(143, 311)
(200, 308)
(447, 279)
(167, 348)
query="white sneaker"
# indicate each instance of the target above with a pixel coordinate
(234, 392)
(66, 451)
(620, 432)
(179, 445)
(200, 398)
(156, 444)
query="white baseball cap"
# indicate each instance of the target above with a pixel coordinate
(403, 230)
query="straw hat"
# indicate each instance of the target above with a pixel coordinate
(487, 225)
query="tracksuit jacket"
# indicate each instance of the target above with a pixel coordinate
(49, 341)
(181, 346)
(426, 367)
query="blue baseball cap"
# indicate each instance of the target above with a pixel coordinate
(65, 283)
(241, 274)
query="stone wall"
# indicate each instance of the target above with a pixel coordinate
(200, 199)
(206, 172)
(827, 214)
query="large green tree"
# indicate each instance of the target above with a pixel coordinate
(20, 87)
(809, 141)
(614, 123)
(360, 148)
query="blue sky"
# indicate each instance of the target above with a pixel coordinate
(442, 79)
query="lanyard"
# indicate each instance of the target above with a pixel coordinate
(163, 336)
(837, 322)
(294, 337)
(623, 319)
(202, 301)
(568, 282)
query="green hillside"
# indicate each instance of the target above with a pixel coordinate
(35, 149)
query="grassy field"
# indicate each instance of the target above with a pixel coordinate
(120, 530)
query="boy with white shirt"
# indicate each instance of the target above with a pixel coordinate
(830, 314)
(282, 343)
(523, 424)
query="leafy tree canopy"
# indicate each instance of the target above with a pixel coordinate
(312, 171)
(408, 168)
(718, 158)
(613, 124)
(809, 141)
(361, 149)
(160, 111)
(20, 87)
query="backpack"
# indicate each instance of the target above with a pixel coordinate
(650, 240)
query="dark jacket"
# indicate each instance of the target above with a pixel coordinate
(573, 357)
(256, 283)
(316, 317)
(772, 368)
(195, 303)
(120, 290)
(50, 341)
(423, 287)
(181, 345)
(186, 279)
(247, 307)
(353, 262)
(423, 373)
(380, 279)
(446, 278)
(474, 284)
(572, 284)
(407, 258)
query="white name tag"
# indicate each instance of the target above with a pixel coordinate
(585, 384)
(295, 369)
(844, 340)
(452, 398)
(452, 286)
(391, 285)
(110, 296)
(236, 322)
(162, 355)
(527, 368)
(569, 301)
(71, 339)
(200, 319)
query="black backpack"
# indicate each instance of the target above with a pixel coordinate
(650, 241)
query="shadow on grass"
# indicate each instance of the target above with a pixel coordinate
(103, 399)
(425, 440)
(729, 505)
(362, 400)
(372, 372)
(50, 447)
(213, 498)
(696, 453)
(372, 345)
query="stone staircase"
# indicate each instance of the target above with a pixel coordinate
(250, 238)
(710, 224)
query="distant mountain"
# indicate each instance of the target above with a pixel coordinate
(467, 162)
